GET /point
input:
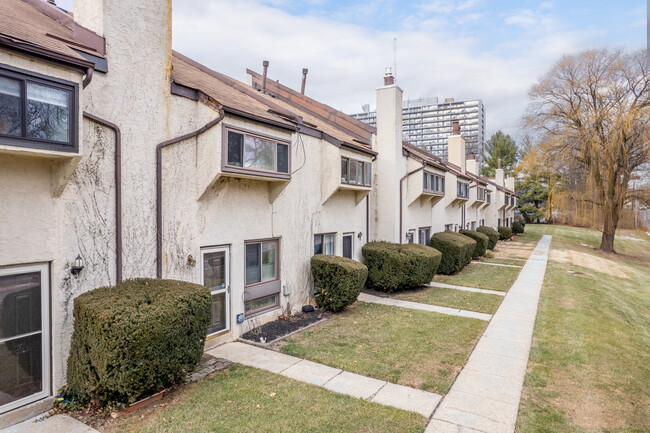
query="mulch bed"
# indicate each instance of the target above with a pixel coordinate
(283, 326)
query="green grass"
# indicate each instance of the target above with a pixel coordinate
(505, 261)
(244, 399)
(482, 277)
(480, 302)
(414, 348)
(589, 367)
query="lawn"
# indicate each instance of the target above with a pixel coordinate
(414, 348)
(498, 278)
(589, 367)
(480, 302)
(243, 399)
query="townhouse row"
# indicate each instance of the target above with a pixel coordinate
(120, 158)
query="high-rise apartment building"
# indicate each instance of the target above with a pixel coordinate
(427, 123)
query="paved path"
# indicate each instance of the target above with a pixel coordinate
(56, 423)
(364, 297)
(485, 396)
(467, 289)
(334, 379)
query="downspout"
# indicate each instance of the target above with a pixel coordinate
(401, 182)
(118, 190)
(368, 209)
(89, 76)
(159, 149)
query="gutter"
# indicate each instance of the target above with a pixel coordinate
(401, 183)
(159, 149)
(118, 190)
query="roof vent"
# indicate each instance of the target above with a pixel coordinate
(265, 64)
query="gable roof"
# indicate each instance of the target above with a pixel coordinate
(40, 29)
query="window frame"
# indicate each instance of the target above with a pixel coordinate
(361, 172)
(253, 171)
(465, 189)
(435, 183)
(427, 239)
(267, 287)
(24, 76)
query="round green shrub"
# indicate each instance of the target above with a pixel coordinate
(136, 338)
(493, 236)
(394, 267)
(504, 233)
(456, 251)
(338, 281)
(518, 227)
(481, 242)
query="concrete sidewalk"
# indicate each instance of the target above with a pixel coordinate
(485, 396)
(334, 379)
(56, 423)
(364, 297)
(467, 289)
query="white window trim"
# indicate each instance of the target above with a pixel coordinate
(225, 290)
(43, 268)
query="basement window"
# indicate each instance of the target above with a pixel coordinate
(247, 152)
(37, 112)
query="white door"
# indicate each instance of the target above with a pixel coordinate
(24, 335)
(215, 274)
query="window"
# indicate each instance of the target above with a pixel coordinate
(480, 193)
(37, 112)
(262, 276)
(449, 227)
(410, 236)
(356, 172)
(324, 244)
(463, 189)
(347, 245)
(424, 236)
(255, 153)
(488, 197)
(434, 183)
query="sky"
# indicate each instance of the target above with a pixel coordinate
(493, 50)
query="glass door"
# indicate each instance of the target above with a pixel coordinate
(215, 274)
(347, 245)
(24, 335)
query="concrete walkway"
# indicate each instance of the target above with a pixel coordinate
(56, 423)
(333, 379)
(364, 297)
(485, 396)
(467, 289)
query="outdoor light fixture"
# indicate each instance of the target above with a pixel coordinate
(191, 261)
(360, 235)
(78, 266)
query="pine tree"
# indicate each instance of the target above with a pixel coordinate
(500, 146)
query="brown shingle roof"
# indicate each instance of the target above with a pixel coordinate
(42, 29)
(328, 119)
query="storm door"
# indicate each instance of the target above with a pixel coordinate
(24, 335)
(215, 274)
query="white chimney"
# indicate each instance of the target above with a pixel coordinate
(499, 175)
(472, 164)
(456, 147)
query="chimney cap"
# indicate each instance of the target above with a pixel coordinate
(455, 127)
(499, 163)
(389, 78)
(265, 63)
(471, 156)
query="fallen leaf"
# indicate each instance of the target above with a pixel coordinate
(258, 406)
(272, 394)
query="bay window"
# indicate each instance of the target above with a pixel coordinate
(37, 112)
(249, 152)
(433, 183)
(356, 172)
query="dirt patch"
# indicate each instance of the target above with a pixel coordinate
(283, 326)
(514, 249)
(590, 261)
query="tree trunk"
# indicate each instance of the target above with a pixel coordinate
(610, 222)
(607, 242)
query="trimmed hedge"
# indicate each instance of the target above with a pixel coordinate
(481, 242)
(456, 251)
(338, 280)
(493, 235)
(393, 267)
(136, 338)
(518, 227)
(504, 233)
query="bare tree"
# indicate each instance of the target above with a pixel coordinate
(594, 108)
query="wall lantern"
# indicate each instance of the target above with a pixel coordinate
(360, 235)
(191, 261)
(78, 266)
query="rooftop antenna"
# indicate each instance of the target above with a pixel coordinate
(395, 58)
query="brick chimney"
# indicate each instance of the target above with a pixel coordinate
(389, 78)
